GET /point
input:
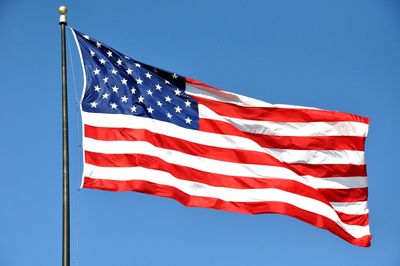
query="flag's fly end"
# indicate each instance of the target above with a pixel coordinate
(63, 11)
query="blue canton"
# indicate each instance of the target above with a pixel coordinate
(117, 84)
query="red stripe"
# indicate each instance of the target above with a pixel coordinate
(345, 194)
(329, 170)
(360, 219)
(286, 142)
(241, 207)
(275, 114)
(218, 180)
(199, 83)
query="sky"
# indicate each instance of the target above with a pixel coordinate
(335, 55)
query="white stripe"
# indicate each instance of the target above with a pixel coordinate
(230, 97)
(338, 182)
(289, 128)
(318, 156)
(360, 207)
(206, 164)
(300, 129)
(226, 194)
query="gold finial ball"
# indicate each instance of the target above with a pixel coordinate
(63, 10)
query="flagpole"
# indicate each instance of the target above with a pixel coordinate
(65, 155)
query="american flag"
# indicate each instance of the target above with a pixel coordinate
(157, 132)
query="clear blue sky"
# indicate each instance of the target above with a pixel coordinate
(337, 55)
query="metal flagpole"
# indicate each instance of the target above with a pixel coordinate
(65, 157)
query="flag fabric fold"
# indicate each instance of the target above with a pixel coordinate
(157, 132)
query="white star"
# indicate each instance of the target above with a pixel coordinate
(188, 120)
(119, 62)
(96, 71)
(124, 81)
(150, 110)
(174, 76)
(159, 103)
(148, 75)
(105, 79)
(166, 81)
(109, 53)
(92, 53)
(133, 108)
(133, 90)
(137, 65)
(98, 44)
(129, 71)
(169, 115)
(178, 109)
(93, 104)
(115, 89)
(127, 57)
(168, 99)
(158, 87)
(86, 37)
(124, 99)
(97, 88)
(149, 92)
(187, 103)
(102, 61)
(105, 95)
(139, 81)
(114, 105)
(177, 92)
(114, 71)
(141, 99)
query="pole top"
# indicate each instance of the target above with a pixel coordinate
(63, 10)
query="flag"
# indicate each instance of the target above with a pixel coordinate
(157, 132)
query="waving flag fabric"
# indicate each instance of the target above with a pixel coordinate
(157, 132)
